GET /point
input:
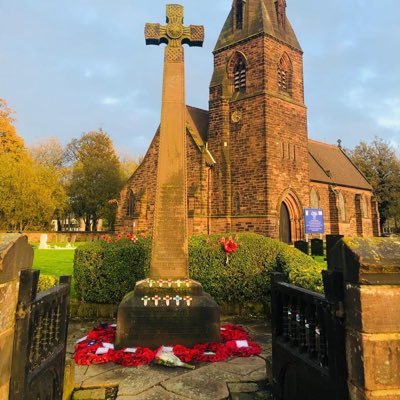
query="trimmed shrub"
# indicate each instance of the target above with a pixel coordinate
(104, 272)
(245, 275)
(46, 282)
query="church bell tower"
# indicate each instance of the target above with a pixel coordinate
(258, 124)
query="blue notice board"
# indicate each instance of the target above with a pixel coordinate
(314, 220)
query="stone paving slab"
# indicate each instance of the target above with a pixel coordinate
(93, 394)
(241, 366)
(156, 393)
(131, 381)
(261, 375)
(206, 383)
(242, 387)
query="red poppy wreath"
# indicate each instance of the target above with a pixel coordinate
(97, 348)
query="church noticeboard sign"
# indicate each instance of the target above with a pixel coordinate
(314, 221)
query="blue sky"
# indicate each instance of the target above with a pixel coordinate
(68, 67)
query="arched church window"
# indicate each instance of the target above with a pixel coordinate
(341, 207)
(364, 207)
(314, 198)
(239, 14)
(237, 203)
(239, 75)
(285, 73)
(131, 204)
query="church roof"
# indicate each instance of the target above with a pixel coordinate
(198, 119)
(259, 16)
(330, 164)
(197, 125)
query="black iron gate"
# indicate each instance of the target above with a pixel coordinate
(40, 340)
(308, 341)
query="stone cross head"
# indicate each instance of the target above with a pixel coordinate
(174, 34)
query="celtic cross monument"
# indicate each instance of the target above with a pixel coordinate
(168, 307)
(169, 252)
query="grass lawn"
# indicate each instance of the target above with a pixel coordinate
(55, 262)
(321, 261)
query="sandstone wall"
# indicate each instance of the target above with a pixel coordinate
(15, 254)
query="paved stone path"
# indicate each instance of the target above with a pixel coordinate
(235, 379)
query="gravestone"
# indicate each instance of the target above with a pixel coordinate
(331, 256)
(169, 308)
(301, 245)
(43, 241)
(317, 247)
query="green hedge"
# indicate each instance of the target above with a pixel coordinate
(105, 272)
(46, 282)
(246, 276)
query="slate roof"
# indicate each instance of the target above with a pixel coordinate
(259, 17)
(329, 164)
(197, 125)
(198, 118)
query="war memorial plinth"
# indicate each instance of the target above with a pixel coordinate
(169, 308)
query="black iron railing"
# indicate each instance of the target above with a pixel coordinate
(40, 339)
(308, 340)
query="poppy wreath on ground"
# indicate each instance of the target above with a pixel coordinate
(97, 348)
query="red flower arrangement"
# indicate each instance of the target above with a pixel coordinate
(229, 246)
(235, 342)
(128, 236)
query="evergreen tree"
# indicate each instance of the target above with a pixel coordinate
(381, 166)
(96, 177)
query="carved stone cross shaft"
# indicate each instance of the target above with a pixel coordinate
(169, 256)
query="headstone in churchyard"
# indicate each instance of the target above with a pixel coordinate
(301, 245)
(333, 261)
(43, 241)
(317, 247)
(169, 308)
(63, 238)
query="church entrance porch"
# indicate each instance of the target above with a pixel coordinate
(285, 231)
(290, 218)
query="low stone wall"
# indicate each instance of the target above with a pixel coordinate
(64, 237)
(15, 255)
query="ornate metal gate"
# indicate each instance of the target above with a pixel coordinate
(40, 340)
(308, 341)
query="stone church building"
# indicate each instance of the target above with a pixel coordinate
(251, 166)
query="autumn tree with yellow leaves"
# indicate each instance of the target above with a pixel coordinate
(30, 192)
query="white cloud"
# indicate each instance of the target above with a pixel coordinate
(109, 101)
(88, 73)
(367, 74)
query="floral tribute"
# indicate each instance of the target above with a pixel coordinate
(97, 348)
(128, 236)
(229, 246)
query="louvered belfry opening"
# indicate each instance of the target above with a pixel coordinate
(282, 80)
(239, 14)
(240, 76)
(285, 75)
